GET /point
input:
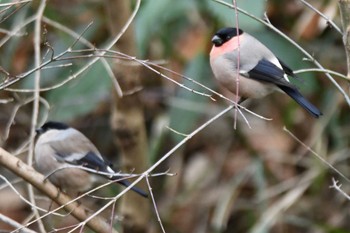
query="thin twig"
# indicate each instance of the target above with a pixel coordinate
(89, 45)
(337, 187)
(16, 30)
(13, 12)
(94, 171)
(175, 131)
(6, 101)
(9, 184)
(322, 71)
(12, 117)
(344, 9)
(308, 148)
(15, 224)
(329, 21)
(155, 205)
(38, 67)
(234, 2)
(35, 114)
(14, 3)
(10, 33)
(107, 47)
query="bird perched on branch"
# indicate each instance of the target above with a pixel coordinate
(260, 72)
(59, 147)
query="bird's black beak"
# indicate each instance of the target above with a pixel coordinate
(217, 41)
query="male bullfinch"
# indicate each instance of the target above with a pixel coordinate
(260, 71)
(60, 146)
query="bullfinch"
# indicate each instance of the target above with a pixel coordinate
(60, 146)
(259, 71)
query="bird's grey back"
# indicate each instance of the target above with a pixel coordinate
(254, 52)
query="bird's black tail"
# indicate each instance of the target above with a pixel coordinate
(299, 98)
(127, 183)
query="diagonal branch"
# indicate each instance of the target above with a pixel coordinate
(26, 172)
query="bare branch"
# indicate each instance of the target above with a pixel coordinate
(14, 3)
(155, 205)
(89, 45)
(16, 30)
(23, 3)
(14, 113)
(234, 2)
(37, 60)
(337, 187)
(316, 154)
(329, 21)
(322, 71)
(15, 224)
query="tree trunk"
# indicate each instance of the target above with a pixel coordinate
(127, 120)
(344, 7)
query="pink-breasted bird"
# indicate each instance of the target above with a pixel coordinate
(260, 71)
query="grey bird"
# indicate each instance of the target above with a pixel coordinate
(259, 71)
(60, 146)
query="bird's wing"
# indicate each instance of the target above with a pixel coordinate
(74, 148)
(90, 160)
(287, 70)
(268, 72)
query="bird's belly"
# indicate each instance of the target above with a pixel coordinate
(72, 180)
(66, 178)
(249, 88)
(240, 85)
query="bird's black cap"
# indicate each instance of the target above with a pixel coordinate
(51, 125)
(225, 34)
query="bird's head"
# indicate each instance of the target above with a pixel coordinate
(51, 125)
(225, 34)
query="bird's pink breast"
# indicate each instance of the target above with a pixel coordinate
(229, 46)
